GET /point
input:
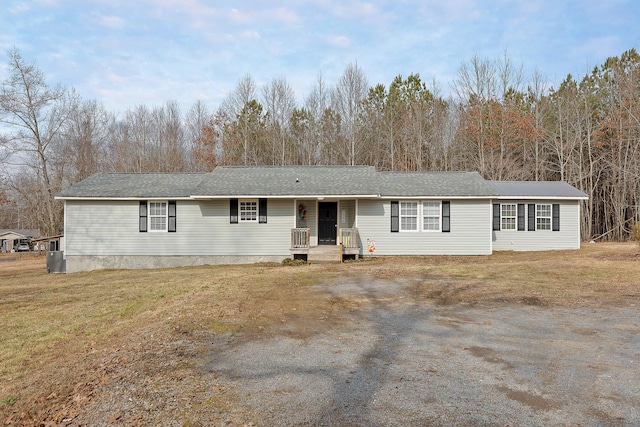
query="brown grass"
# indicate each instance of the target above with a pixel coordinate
(62, 334)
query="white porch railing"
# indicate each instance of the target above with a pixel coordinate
(349, 238)
(300, 238)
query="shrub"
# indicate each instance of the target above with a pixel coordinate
(289, 261)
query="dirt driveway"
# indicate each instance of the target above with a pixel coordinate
(396, 359)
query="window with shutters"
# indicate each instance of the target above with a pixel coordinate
(157, 216)
(508, 216)
(543, 217)
(248, 210)
(416, 216)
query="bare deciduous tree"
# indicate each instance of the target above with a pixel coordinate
(347, 100)
(279, 102)
(244, 92)
(34, 114)
(197, 118)
(81, 151)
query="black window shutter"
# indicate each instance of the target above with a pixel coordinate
(446, 217)
(143, 216)
(555, 221)
(395, 217)
(233, 211)
(521, 220)
(496, 217)
(532, 217)
(172, 216)
(262, 211)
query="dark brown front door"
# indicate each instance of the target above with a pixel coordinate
(327, 223)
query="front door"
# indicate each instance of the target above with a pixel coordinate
(327, 223)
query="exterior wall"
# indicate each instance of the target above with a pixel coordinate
(311, 221)
(110, 228)
(346, 213)
(105, 234)
(470, 230)
(541, 240)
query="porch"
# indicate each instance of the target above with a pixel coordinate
(348, 244)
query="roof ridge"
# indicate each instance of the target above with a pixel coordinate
(151, 173)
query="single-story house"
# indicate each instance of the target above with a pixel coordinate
(47, 243)
(11, 238)
(257, 214)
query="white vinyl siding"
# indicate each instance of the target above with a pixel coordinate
(508, 216)
(567, 238)
(310, 220)
(346, 213)
(470, 230)
(112, 228)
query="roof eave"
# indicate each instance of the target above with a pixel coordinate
(439, 197)
(285, 196)
(101, 198)
(541, 197)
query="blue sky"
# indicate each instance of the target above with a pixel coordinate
(129, 52)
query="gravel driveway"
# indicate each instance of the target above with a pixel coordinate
(397, 360)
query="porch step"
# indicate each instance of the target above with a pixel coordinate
(324, 253)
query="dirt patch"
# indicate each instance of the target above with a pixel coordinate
(532, 301)
(490, 356)
(534, 401)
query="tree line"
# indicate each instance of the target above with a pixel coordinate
(497, 122)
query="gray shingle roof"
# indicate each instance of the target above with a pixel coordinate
(289, 181)
(134, 185)
(24, 232)
(445, 184)
(541, 189)
(301, 181)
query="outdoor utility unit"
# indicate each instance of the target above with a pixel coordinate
(55, 262)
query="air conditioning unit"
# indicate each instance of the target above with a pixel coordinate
(56, 262)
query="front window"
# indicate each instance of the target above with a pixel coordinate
(248, 211)
(431, 216)
(158, 216)
(408, 216)
(508, 217)
(543, 217)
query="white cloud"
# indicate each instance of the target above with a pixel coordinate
(251, 35)
(284, 15)
(19, 8)
(238, 16)
(339, 40)
(354, 10)
(111, 21)
(599, 47)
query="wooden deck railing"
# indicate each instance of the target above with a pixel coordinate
(349, 238)
(300, 238)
